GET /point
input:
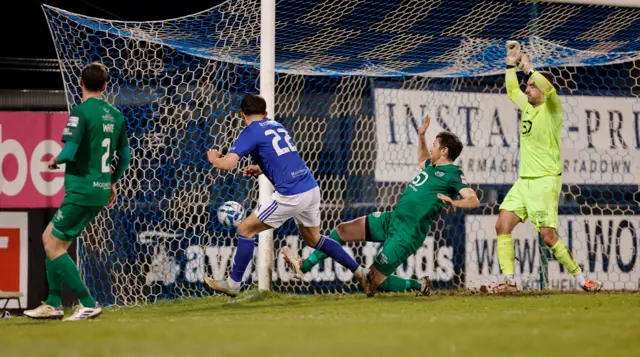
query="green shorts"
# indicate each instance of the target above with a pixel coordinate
(536, 199)
(70, 220)
(397, 244)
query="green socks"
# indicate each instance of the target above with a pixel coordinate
(55, 285)
(68, 273)
(506, 254)
(565, 258)
(394, 283)
(318, 256)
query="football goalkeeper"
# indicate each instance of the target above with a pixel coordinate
(536, 192)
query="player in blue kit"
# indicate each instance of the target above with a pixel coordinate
(297, 193)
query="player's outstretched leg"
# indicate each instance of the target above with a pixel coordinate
(355, 231)
(312, 237)
(564, 256)
(247, 230)
(352, 231)
(393, 283)
(300, 267)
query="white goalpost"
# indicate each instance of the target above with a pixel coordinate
(267, 91)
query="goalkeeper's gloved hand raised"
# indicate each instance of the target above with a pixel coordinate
(524, 65)
(513, 53)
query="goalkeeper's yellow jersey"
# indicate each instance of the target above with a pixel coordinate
(540, 153)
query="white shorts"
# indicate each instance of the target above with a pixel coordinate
(304, 208)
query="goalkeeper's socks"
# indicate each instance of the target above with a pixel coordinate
(580, 278)
(55, 285)
(68, 272)
(394, 283)
(565, 258)
(506, 254)
(317, 256)
(334, 250)
(244, 255)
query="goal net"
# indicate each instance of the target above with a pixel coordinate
(353, 81)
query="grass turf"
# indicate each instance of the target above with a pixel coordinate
(254, 324)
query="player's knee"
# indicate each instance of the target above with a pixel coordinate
(342, 229)
(549, 236)
(51, 246)
(501, 227)
(45, 239)
(505, 224)
(244, 229)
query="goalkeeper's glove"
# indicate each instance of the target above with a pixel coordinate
(524, 65)
(513, 53)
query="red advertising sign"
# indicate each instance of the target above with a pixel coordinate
(14, 246)
(27, 141)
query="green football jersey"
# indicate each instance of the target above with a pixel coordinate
(99, 130)
(419, 205)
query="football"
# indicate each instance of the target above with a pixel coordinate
(231, 213)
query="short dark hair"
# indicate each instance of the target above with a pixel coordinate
(94, 76)
(548, 75)
(253, 104)
(450, 141)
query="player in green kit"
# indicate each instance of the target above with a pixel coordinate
(536, 193)
(403, 230)
(95, 131)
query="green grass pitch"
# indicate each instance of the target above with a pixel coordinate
(255, 324)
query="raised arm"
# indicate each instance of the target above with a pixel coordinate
(511, 79)
(550, 95)
(423, 152)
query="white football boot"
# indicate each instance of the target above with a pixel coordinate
(45, 312)
(294, 262)
(85, 313)
(221, 286)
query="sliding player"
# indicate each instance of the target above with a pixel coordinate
(403, 230)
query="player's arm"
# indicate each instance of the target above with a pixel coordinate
(423, 152)
(71, 137)
(550, 95)
(511, 78)
(124, 156)
(243, 145)
(468, 200)
(124, 160)
(227, 162)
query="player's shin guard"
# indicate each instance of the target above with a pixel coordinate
(506, 255)
(55, 285)
(565, 257)
(395, 283)
(68, 272)
(244, 254)
(334, 250)
(317, 256)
